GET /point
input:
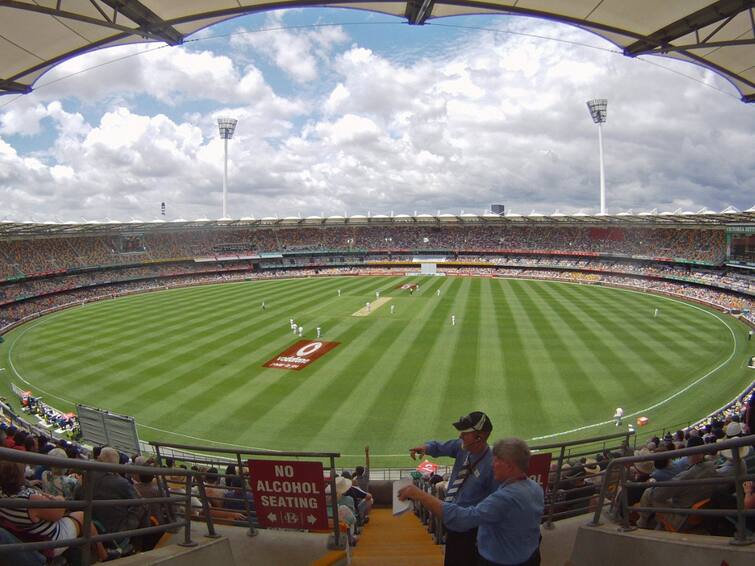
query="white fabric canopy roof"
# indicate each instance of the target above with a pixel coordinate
(37, 34)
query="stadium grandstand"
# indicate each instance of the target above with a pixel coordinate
(702, 258)
(220, 436)
(706, 256)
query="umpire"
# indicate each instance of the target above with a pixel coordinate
(471, 479)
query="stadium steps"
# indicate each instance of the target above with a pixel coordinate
(388, 540)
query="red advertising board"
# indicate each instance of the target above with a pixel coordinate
(300, 355)
(540, 465)
(289, 495)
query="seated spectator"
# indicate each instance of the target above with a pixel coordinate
(663, 471)
(212, 488)
(639, 472)
(111, 485)
(346, 511)
(362, 473)
(592, 472)
(20, 440)
(31, 525)
(146, 487)
(230, 470)
(682, 496)
(362, 500)
(233, 497)
(10, 437)
(726, 457)
(56, 481)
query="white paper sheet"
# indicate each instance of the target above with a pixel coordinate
(401, 507)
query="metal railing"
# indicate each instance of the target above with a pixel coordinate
(619, 468)
(562, 489)
(88, 469)
(215, 456)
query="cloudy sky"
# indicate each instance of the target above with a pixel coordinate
(347, 112)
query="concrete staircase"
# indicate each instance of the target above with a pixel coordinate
(389, 540)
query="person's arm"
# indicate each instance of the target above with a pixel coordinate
(52, 514)
(435, 449)
(367, 459)
(490, 510)
(432, 503)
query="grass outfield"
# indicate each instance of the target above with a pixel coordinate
(540, 358)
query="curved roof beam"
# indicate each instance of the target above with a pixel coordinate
(722, 11)
(35, 36)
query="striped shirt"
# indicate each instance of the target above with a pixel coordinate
(21, 520)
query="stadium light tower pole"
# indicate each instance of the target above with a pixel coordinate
(227, 126)
(598, 112)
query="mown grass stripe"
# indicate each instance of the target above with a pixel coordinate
(651, 342)
(522, 352)
(580, 388)
(600, 364)
(493, 389)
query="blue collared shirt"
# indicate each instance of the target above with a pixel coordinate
(480, 482)
(508, 521)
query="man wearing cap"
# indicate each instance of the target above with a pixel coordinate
(508, 519)
(471, 478)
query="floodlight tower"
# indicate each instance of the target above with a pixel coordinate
(227, 126)
(598, 112)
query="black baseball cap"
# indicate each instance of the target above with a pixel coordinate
(476, 421)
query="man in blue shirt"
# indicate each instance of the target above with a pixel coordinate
(471, 479)
(508, 519)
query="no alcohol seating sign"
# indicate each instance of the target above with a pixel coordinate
(289, 495)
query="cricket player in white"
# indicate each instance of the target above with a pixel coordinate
(655, 314)
(437, 293)
(301, 331)
(453, 320)
(339, 292)
(393, 308)
(618, 415)
(318, 331)
(377, 294)
(369, 307)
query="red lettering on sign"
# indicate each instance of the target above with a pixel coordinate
(289, 495)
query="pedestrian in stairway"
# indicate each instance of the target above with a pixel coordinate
(508, 519)
(470, 483)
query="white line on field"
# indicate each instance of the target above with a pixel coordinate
(578, 429)
(670, 397)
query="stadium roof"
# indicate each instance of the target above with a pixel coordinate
(707, 219)
(35, 35)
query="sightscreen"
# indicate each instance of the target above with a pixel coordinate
(103, 428)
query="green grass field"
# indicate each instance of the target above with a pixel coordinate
(541, 358)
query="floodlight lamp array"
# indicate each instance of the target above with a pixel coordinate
(598, 110)
(227, 126)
